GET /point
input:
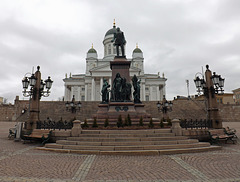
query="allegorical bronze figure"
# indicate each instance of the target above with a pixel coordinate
(121, 90)
(117, 87)
(105, 91)
(136, 85)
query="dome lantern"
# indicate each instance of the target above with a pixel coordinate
(92, 53)
(137, 52)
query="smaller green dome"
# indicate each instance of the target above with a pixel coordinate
(137, 50)
(92, 50)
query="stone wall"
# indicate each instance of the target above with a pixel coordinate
(182, 109)
(56, 110)
(7, 112)
(230, 112)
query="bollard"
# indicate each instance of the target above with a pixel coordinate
(77, 129)
(176, 128)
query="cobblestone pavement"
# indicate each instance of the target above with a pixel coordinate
(22, 162)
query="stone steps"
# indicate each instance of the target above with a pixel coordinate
(125, 148)
(127, 135)
(147, 131)
(124, 139)
(136, 152)
(67, 142)
(128, 142)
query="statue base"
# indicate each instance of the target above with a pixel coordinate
(113, 110)
(120, 65)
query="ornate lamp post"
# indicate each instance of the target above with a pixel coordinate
(73, 106)
(35, 92)
(213, 84)
(164, 106)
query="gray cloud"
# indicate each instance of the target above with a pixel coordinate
(176, 37)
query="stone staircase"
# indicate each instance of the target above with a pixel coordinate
(128, 142)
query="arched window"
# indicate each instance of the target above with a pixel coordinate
(109, 49)
(105, 49)
(147, 97)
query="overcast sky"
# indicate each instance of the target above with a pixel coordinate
(177, 37)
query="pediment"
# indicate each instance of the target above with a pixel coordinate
(105, 67)
(132, 69)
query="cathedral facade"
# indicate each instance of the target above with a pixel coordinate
(88, 86)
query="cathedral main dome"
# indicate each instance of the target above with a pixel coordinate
(111, 31)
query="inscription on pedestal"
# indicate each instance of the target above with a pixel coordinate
(121, 108)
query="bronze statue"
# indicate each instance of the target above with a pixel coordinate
(121, 90)
(104, 91)
(119, 40)
(126, 90)
(136, 85)
(117, 87)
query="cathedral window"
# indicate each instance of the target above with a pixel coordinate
(147, 97)
(105, 49)
(109, 49)
(82, 98)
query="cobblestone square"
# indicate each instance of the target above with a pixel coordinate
(22, 162)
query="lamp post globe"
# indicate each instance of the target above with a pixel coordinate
(32, 80)
(48, 83)
(25, 83)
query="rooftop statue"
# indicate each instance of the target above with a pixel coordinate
(119, 40)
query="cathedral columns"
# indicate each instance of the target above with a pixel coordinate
(151, 93)
(158, 93)
(93, 90)
(110, 82)
(143, 92)
(161, 93)
(67, 94)
(164, 90)
(101, 85)
(86, 92)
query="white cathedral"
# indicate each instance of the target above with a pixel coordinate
(88, 86)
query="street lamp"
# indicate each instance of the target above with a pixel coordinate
(211, 85)
(164, 106)
(32, 82)
(35, 92)
(73, 106)
(215, 88)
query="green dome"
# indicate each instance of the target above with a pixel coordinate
(111, 31)
(137, 50)
(92, 50)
